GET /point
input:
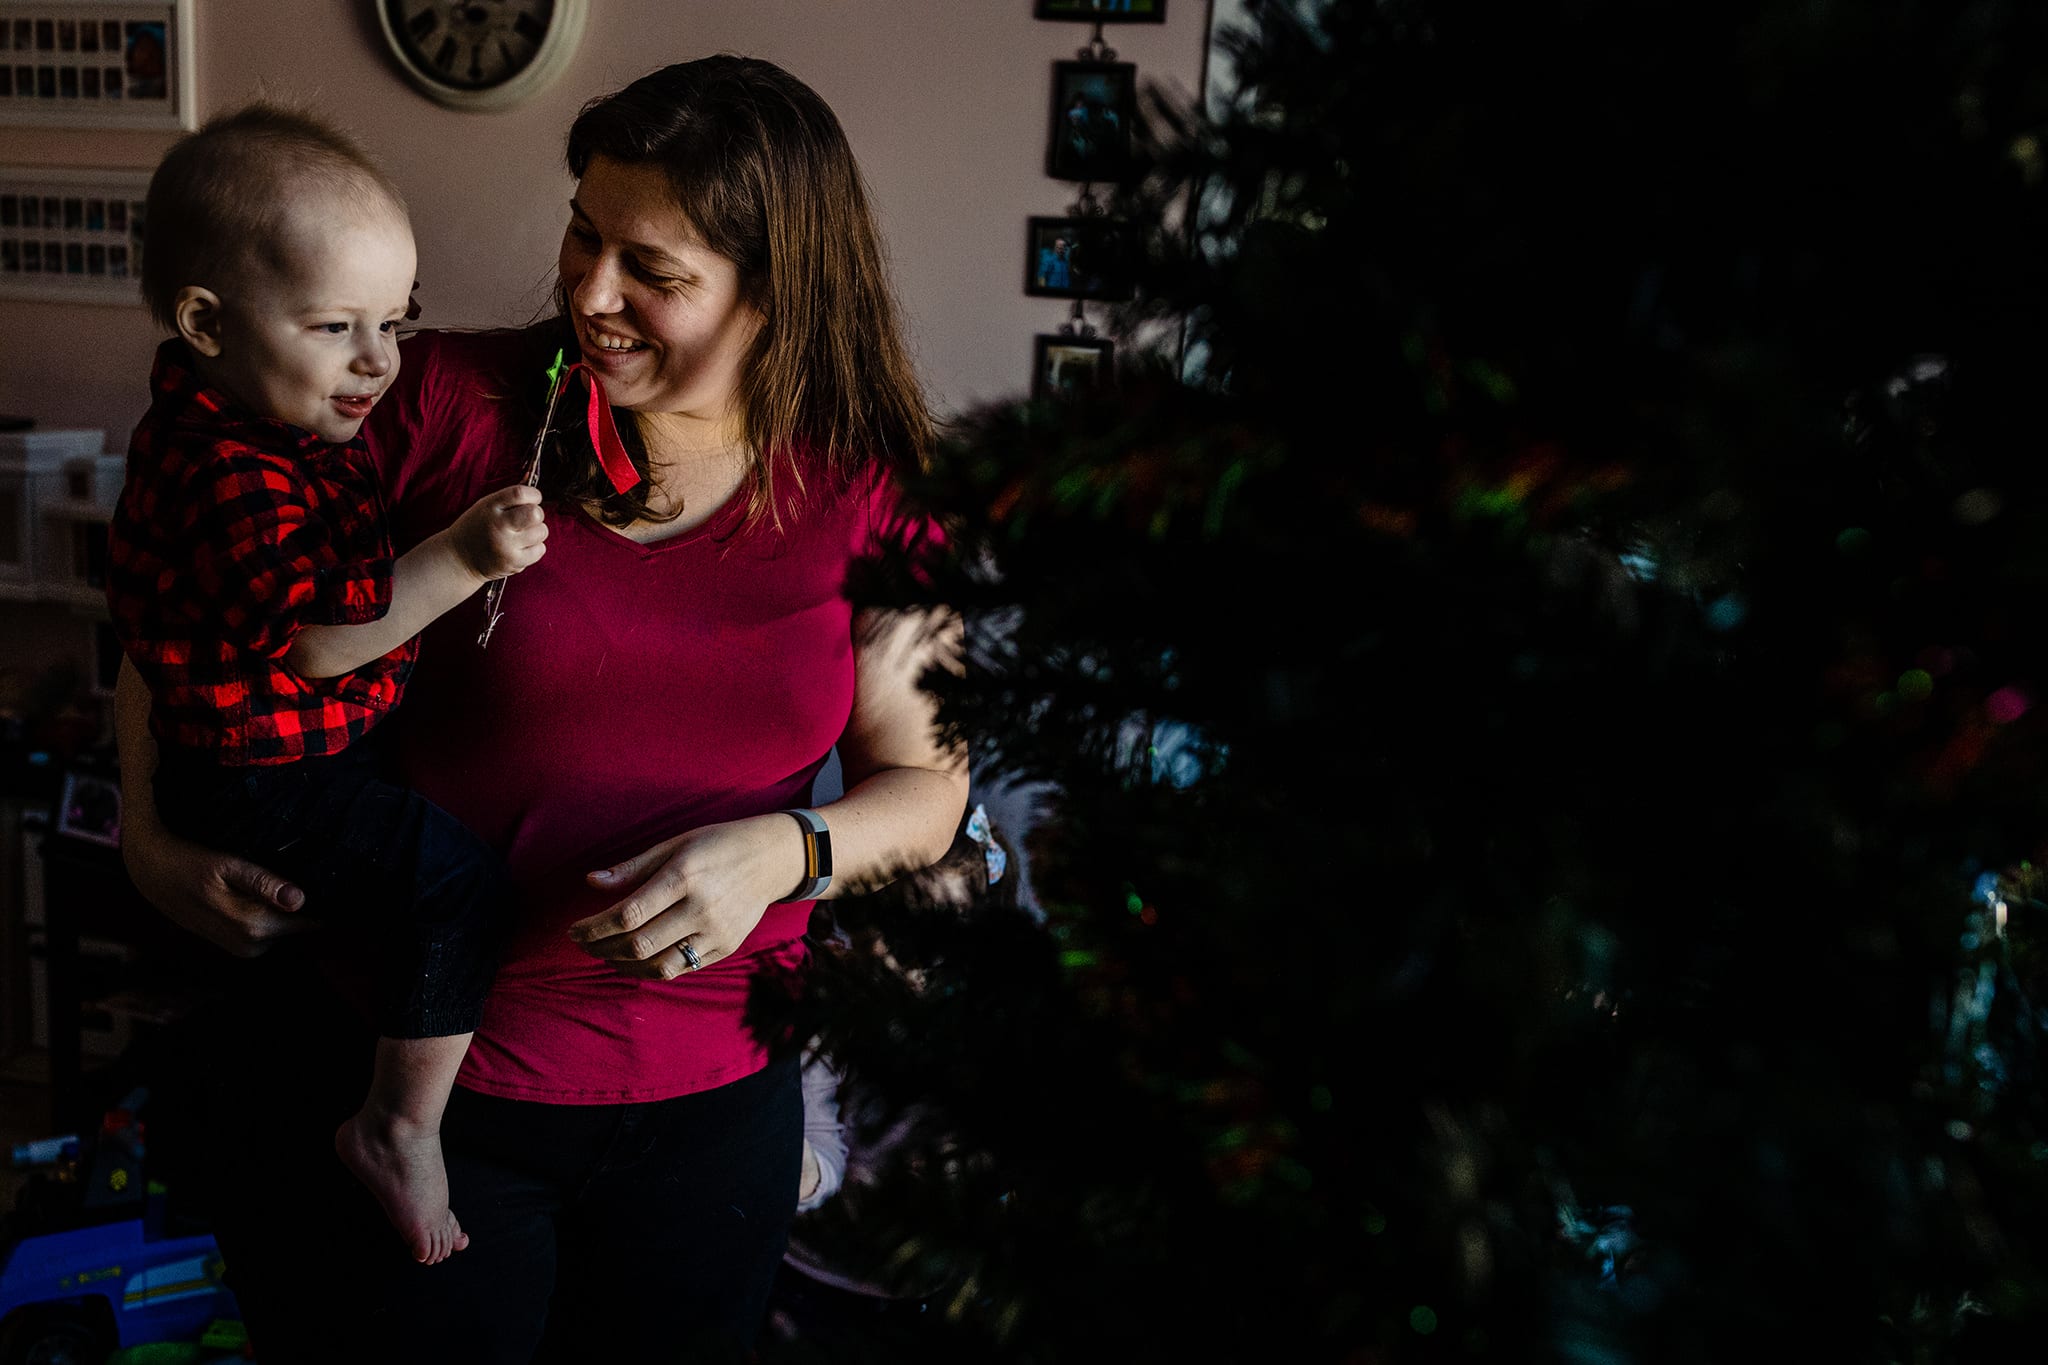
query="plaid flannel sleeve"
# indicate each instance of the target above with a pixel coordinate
(265, 560)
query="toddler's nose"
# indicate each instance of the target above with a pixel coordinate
(374, 356)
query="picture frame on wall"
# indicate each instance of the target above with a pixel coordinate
(89, 808)
(1079, 258)
(1093, 107)
(1066, 366)
(97, 64)
(1102, 11)
(71, 235)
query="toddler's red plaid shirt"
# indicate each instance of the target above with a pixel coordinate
(233, 531)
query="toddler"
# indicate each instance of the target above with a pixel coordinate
(252, 583)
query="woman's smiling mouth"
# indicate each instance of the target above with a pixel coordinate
(611, 343)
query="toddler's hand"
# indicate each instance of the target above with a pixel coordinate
(502, 533)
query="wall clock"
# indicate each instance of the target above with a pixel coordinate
(481, 54)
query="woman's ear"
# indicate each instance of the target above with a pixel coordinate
(197, 316)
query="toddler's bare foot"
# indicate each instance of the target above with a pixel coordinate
(401, 1164)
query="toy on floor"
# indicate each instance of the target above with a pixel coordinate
(88, 1264)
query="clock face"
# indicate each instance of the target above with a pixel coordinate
(481, 53)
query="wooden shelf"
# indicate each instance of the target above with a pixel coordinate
(74, 509)
(75, 595)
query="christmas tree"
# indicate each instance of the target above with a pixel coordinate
(1537, 676)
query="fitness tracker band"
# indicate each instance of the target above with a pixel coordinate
(817, 856)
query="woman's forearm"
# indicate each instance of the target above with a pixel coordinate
(135, 750)
(890, 823)
(905, 790)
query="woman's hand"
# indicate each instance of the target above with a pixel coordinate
(237, 906)
(231, 903)
(708, 887)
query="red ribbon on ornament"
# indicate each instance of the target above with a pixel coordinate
(604, 434)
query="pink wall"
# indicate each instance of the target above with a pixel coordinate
(946, 105)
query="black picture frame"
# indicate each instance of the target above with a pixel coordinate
(1069, 365)
(1093, 106)
(1101, 11)
(89, 808)
(1079, 258)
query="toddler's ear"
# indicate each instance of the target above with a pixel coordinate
(197, 314)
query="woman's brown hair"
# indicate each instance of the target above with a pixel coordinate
(762, 170)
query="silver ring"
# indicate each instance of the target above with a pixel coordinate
(690, 956)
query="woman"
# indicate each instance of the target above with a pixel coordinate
(662, 691)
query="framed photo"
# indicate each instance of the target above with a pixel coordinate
(1102, 11)
(1079, 258)
(1064, 365)
(89, 807)
(1093, 104)
(97, 64)
(71, 236)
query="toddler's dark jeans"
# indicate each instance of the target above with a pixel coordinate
(370, 855)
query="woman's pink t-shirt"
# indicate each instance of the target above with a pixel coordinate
(631, 692)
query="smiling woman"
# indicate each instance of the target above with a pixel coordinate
(821, 383)
(659, 313)
(640, 742)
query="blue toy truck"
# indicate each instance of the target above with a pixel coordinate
(89, 1265)
(70, 1298)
